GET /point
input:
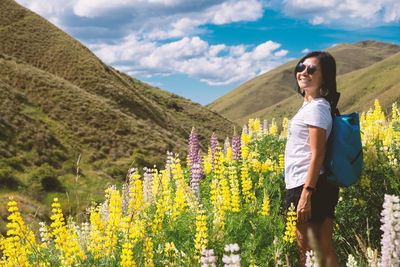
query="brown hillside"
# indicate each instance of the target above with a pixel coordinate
(59, 101)
(30, 38)
(275, 86)
(359, 89)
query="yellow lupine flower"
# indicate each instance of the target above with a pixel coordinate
(256, 125)
(148, 252)
(265, 205)
(180, 200)
(229, 154)
(20, 241)
(136, 202)
(66, 238)
(267, 166)
(273, 129)
(96, 233)
(207, 164)
(201, 238)
(170, 247)
(234, 182)
(126, 257)
(290, 231)
(245, 152)
(247, 184)
(285, 126)
(256, 165)
(113, 223)
(159, 216)
(245, 138)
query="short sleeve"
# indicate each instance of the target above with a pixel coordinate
(318, 114)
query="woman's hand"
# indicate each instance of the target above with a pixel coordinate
(304, 207)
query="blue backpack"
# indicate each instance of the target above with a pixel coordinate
(344, 158)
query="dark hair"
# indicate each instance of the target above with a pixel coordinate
(328, 71)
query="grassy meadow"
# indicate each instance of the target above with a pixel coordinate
(227, 211)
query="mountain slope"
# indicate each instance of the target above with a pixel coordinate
(358, 89)
(33, 40)
(59, 101)
(278, 84)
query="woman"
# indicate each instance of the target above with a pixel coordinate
(307, 188)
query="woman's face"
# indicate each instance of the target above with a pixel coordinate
(310, 83)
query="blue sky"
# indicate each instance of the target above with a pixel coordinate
(202, 49)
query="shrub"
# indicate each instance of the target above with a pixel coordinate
(45, 178)
(7, 178)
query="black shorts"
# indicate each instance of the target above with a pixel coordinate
(323, 200)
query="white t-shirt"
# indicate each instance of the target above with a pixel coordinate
(298, 151)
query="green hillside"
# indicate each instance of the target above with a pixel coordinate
(276, 87)
(359, 89)
(59, 101)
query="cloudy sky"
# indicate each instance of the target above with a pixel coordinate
(202, 49)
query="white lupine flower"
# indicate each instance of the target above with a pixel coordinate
(83, 233)
(208, 259)
(265, 127)
(226, 145)
(232, 260)
(391, 231)
(147, 184)
(351, 261)
(44, 234)
(311, 259)
(232, 248)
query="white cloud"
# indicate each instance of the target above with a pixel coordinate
(91, 8)
(50, 9)
(281, 53)
(227, 12)
(353, 13)
(233, 11)
(317, 20)
(214, 64)
(154, 19)
(305, 51)
(264, 50)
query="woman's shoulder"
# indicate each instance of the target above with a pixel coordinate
(320, 106)
(320, 103)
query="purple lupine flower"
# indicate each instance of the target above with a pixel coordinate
(195, 160)
(194, 147)
(236, 147)
(213, 146)
(196, 173)
(391, 231)
(261, 131)
(226, 145)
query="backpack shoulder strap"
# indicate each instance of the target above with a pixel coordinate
(334, 112)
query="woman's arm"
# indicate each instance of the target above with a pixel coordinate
(317, 143)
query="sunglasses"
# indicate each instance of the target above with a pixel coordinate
(310, 68)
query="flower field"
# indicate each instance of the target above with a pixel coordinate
(222, 209)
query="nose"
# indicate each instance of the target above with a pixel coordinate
(304, 71)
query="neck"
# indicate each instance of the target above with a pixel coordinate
(309, 97)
